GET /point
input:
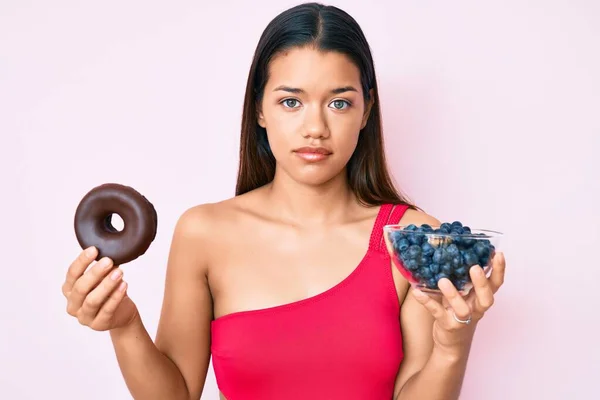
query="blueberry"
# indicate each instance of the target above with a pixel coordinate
(427, 249)
(481, 249)
(468, 242)
(438, 255)
(426, 273)
(414, 251)
(470, 258)
(456, 224)
(447, 268)
(441, 275)
(452, 250)
(424, 260)
(396, 235)
(460, 272)
(483, 252)
(446, 257)
(427, 228)
(412, 264)
(456, 239)
(466, 229)
(484, 261)
(432, 283)
(459, 283)
(447, 226)
(411, 227)
(456, 261)
(404, 256)
(415, 238)
(434, 267)
(402, 245)
(457, 230)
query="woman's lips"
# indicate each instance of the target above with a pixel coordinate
(312, 153)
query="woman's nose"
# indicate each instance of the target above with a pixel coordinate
(315, 123)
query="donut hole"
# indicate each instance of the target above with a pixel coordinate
(114, 223)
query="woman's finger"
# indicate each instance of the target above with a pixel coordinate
(97, 297)
(108, 309)
(433, 306)
(85, 284)
(77, 268)
(498, 271)
(484, 295)
(458, 304)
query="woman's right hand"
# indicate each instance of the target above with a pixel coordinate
(98, 297)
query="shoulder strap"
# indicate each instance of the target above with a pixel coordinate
(385, 210)
(391, 218)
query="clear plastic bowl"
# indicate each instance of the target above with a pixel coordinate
(425, 254)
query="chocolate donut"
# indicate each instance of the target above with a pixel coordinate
(93, 225)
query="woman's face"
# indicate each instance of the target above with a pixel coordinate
(313, 109)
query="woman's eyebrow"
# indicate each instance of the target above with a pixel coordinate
(298, 90)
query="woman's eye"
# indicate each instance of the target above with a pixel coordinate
(337, 104)
(290, 103)
(340, 104)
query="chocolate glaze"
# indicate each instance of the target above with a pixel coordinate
(93, 227)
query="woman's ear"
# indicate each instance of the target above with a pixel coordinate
(368, 107)
(260, 118)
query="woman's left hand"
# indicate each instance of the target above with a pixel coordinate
(449, 333)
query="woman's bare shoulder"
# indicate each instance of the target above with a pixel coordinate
(418, 217)
(212, 218)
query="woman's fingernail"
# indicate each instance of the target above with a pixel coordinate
(115, 274)
(90, 251)
(104, 263)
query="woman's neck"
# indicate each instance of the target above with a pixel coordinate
(302, 204)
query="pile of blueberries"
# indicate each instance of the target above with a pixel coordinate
(429, 258)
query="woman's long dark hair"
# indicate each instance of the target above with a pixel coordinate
(325, 28)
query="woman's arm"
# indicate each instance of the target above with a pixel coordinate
(428, 372)
(436, 346)
(175, 365)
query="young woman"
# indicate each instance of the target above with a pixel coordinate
(288, 285)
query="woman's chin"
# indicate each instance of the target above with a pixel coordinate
(316, 176)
